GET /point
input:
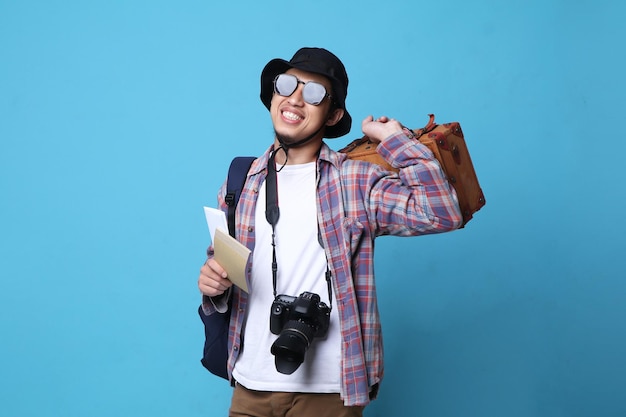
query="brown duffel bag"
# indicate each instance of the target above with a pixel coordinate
(446, 141)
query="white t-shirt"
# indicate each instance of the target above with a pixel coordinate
(301, 267)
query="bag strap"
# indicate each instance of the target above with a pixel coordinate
(237, 174)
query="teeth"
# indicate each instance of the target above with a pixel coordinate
(291, 116)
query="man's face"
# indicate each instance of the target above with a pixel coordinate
(294, 119)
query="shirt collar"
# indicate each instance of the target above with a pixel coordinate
(326, 154)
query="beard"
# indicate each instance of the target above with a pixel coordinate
(289, 141)
(285, 140)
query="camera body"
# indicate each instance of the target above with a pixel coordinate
(296, 321)
(306, 309)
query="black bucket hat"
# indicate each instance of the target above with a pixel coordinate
(318, 61)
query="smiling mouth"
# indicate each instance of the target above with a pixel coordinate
(291, 116)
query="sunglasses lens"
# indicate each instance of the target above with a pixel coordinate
(285, 84)
(313, 93)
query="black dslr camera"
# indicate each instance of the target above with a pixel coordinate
(296, 321)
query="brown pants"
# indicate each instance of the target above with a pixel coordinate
(249, 403)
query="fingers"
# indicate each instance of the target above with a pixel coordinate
(379, 129)
(366, 121)
(370, 124)
(215, 267)
(213, 279)
(381, 119)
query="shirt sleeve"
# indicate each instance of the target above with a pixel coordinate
(419, 199)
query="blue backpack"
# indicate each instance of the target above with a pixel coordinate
(215, 356)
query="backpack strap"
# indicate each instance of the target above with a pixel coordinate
(237, 174)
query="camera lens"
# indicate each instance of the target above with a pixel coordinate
(291, 345)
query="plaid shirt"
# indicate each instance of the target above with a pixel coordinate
(356, 202)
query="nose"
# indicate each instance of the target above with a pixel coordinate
(296, 97)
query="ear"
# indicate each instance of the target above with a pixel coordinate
(334, 117)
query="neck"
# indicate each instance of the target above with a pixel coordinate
(298, 155)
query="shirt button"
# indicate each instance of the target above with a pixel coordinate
(236, 348)
(250, 229)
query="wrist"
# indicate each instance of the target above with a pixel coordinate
(408, 132)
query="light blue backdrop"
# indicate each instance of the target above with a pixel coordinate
(118, 120)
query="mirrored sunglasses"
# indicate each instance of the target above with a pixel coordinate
(312, 92)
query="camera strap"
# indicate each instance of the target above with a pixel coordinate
(272, 214)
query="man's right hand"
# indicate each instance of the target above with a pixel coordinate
(213, 280)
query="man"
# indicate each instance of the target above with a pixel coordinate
(310, 217)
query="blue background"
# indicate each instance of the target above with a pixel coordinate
(117, 123)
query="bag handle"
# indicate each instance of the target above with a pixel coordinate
(429, 126)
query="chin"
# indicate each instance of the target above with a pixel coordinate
(283, 138)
